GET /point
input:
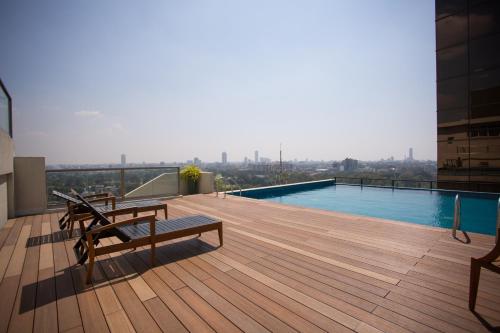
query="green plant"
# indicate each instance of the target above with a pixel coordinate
(191, 173)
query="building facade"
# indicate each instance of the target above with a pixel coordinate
(468, 94)
(224, 157)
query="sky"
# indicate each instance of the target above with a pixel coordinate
(170, 80)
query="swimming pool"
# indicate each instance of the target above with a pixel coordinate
(434, 208)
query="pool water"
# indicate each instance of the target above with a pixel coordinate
(434, 208)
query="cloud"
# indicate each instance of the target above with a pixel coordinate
(88, 114)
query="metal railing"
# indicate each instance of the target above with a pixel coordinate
(457, 216)
(118, 181)
(416, 183)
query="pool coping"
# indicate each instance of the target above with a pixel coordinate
(331, 181)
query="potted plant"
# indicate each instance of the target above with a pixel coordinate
(191, 174)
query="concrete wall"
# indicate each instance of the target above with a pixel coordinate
(6, 177)
(206, 183)
(30, 193)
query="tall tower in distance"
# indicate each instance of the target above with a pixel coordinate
(224, 157)
(256, 156)
(124, 160)
(410, 154)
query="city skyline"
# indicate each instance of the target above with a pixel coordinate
(160, 89)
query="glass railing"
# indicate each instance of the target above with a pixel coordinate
(123, 183)
(5, 110)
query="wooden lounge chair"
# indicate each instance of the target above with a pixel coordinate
(136, 232)
(77, 211)
(475, 270)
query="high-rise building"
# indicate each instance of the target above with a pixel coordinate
(124, 160)
(197, 161)
(468, 94)
(224, 157)
(256, 156)
(410, 154)
(349, 164)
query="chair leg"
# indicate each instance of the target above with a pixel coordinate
(221, 241)
(475, 272)
(153, 254)
(90, 268)
(71, 226)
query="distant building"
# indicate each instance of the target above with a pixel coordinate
(256, 156)
(224, 157)
(410, 154)
(197, 161)
(124, 160)
(350, 164)
(468, 94)
(265, 160)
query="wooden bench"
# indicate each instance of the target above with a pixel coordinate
(136, 232)
(106, 204)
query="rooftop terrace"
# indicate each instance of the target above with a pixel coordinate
(281, 268)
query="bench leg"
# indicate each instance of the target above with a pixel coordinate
(475, 272)
(153, 254)
(220, 236)
(90, 268)
(71, 227)
(166, 212)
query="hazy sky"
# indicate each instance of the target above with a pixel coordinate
(170, 80)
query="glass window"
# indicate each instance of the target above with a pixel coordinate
(451, 62)
(447, 7)
(485, 90)
(482, 111)
(453, 115)
(485, 53)
(452, 93)
(485, 18)
(453, 130)
(4, 111)
(451, 30)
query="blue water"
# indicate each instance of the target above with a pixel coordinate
(434, 208)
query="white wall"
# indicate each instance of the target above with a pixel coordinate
(30, 187)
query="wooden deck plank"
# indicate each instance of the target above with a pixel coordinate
(24, 308)
(282, 268)
(93, 318)
(68, 312)
(46, 305)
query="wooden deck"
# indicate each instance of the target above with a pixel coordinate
(281, 269)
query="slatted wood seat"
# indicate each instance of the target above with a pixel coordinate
(136, 232)
(103, 203)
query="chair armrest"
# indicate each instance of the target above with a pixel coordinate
(149, 218)
(494, 254)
